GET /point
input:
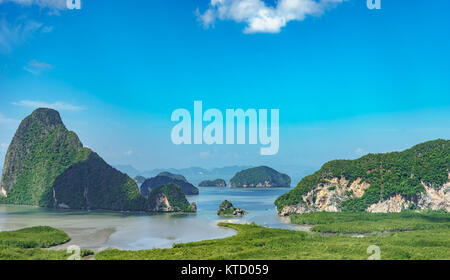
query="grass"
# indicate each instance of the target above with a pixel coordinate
(373, 222)
(420, 236)
(27, 244)
(34, 237)
(253, 242)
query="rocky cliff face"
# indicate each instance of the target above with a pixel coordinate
(414, 179)
(329, 197)
(169, 198)
(46, 165)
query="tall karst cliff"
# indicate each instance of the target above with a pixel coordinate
(46, 165)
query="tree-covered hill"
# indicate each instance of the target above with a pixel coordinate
(398, 173)
(169, 198)
(46, 165)
(260, 177)
(213, 183)
(166, 178)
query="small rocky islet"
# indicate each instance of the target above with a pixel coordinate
(226, 209)
(260, 177)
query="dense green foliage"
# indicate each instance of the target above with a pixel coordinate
(34, 237)
(388, 174)
(173, 176)
(259, 175)
(213, 183)
(42, 149)
(93, 184)
(347, 222)
(254, 242)
(174, 195)
(26, 244)
(46, 165)
(226, 208)
(160, 180)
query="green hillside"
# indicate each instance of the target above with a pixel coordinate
(46, 165)
(388, 174)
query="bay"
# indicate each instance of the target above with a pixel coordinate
(98, 230)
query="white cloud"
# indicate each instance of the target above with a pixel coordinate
(60, 106)
(51, 4)
(360, 151)
(260, 17)
(15, 33)
(128, 153)
(35, 67)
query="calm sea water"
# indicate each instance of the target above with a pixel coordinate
(99, 229)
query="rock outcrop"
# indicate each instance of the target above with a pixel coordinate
(415, 179)
(169, 198)
(260, 177)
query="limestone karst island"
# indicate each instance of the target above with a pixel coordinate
(225, 139)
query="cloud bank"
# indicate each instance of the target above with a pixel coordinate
(60, 106)
(260, 17)
(15, 32)
(18, 32)
(51, 4)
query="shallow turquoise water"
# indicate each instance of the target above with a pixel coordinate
(133, 231)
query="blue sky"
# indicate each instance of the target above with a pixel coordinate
(347, 80)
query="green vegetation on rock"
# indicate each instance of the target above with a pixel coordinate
(166, 178)
(213, 183)
(173, 176)
(388, 174)
(260, 177)
(46, 165)
(227, 209)
(169, 198)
